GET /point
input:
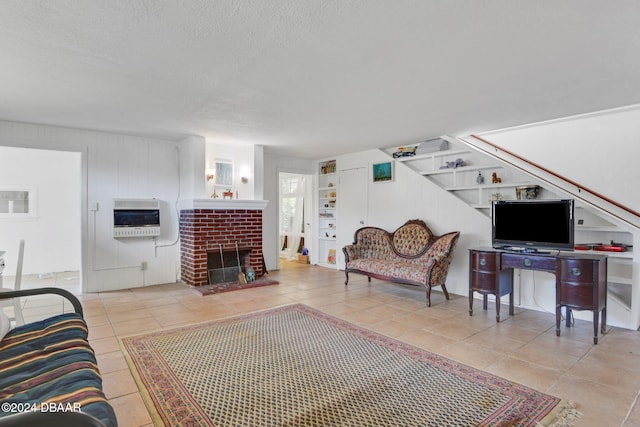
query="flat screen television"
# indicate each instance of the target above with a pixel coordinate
(531, 225)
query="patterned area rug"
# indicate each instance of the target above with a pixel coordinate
(296, 366)
(232, 286)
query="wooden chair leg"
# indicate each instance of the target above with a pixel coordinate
(346, 280)
(428, 296)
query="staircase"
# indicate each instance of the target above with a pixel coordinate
(457, 168)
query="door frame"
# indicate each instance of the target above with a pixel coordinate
(309, 208)
(341, 193)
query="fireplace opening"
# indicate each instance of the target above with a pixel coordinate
(222, 265)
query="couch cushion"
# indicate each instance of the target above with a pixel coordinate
(411, 239)
(50, 361)
(400, 270)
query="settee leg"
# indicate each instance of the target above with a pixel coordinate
(346, 280)
(446, 293)
(428, 296)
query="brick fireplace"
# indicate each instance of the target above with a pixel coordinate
(209, 226)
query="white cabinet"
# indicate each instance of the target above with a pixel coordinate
(327, 214)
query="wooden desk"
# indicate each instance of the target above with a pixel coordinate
(581, 281)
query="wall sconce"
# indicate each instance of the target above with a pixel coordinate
(211, 174)
(244, 174)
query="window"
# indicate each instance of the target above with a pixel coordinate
(17, 202)
(292, 204)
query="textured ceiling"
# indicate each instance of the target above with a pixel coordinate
(314, 77)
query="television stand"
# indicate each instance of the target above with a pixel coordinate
(581, 281)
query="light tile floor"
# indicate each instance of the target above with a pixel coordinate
(603, 379)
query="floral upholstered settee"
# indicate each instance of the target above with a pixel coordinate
(412, 254)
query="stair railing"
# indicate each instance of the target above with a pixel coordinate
(594, 199)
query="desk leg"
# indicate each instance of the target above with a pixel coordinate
(470, 302)
(511, 303)
(558, 318)
(596, 318)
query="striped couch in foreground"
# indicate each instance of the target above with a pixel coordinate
(49, 374)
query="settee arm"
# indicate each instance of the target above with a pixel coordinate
(439, 256)
(350, 253)
(50, 419)
(77, 307)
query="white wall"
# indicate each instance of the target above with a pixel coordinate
(411, 196)
(242, 157)
(114, 166)
(52, 236)
(600, 151)
(192, 172)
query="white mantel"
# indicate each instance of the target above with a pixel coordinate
(223, 204)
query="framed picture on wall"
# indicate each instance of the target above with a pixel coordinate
(383, 172)
(224, 173)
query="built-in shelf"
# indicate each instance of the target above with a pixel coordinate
(621, 280)
(433, 155)
(621, 255)
(607, 228)
(458, 169)
(327, 214)
(485, 186)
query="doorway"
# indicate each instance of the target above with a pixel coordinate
(51, 224)
(294, 216)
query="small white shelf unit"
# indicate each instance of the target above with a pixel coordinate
(327, 230)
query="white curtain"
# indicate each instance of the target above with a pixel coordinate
(292, 189)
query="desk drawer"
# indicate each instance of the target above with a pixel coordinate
(484, 282)
(576, 295)
(529, 261)
(485, 261)
(575, 270)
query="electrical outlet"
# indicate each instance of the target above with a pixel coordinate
(143, 265)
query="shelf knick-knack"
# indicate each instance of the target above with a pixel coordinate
(480, 178)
